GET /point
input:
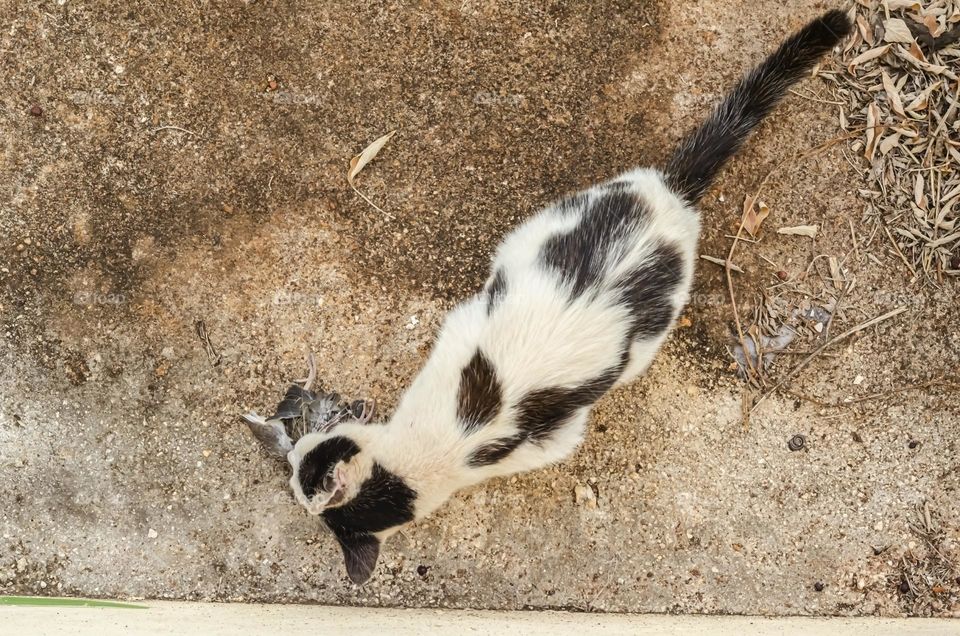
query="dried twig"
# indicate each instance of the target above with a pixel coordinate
(178, 128)
(721, 263)
(941, 381)
(212, 354)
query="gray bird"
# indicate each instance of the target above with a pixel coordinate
(303, 410)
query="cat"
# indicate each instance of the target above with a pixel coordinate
(580, 298)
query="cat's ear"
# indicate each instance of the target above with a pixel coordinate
(360, 553)
(339, 483)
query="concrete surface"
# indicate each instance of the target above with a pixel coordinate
(230, 618)
(126, 470)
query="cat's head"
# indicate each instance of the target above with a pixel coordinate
(336, 475)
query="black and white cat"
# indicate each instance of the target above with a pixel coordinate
(580, 298)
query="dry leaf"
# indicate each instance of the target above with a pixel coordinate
(917, 52)
(889, 143)
(872, 54)
(896, 30)
(945, 239)
(949, 196)
(835, 272)
(865, 31)
(357, 163)
(953, 153)
(907, 131)
(937, 69)
(892, 94)
(920, 102)
(753, 215)
(800, 230)
(895, 5)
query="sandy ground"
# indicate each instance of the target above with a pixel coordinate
(186, 161)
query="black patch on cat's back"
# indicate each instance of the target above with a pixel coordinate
(384, 501)
(646, 291)
(496, 289)
(579, 255)
(543, 411)
(480, 394)
(319, 460)
(495, 451)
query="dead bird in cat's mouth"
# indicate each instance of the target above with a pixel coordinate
(304, 410)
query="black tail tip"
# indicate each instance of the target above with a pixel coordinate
(831, 27)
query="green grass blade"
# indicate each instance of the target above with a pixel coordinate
(48, 601)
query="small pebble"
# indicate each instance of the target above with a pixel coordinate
(913, 444)
(422, 570)
(151, 533)
(584, 495)
(36, 111)
(782, 275)
(904, 586)
(818, 586)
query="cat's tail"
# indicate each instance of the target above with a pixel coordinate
(695, 163)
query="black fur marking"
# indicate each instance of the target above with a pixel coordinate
(480, 394)
(647, 292)
(360, 554)
(695, 163)
(580, 254)
(495, 290)
(572, 203)
(383, 501)
(318, 463)
(543, 411)
(495, 451)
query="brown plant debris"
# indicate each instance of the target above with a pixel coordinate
(899, 85)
